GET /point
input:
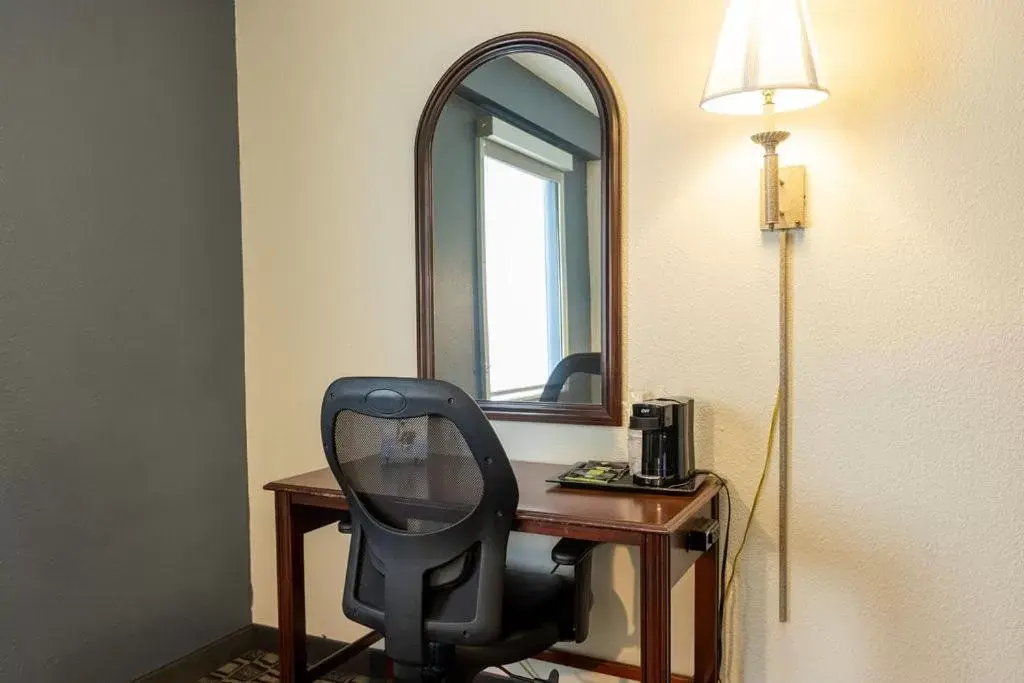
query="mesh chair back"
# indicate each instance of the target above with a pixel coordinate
(415, 475)
(433, 498)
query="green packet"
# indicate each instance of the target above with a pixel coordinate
(595, 472)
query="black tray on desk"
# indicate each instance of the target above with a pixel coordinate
(624, 483)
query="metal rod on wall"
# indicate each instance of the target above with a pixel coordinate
(773, 220)
(784, 325)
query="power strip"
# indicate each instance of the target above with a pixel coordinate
(702, 534)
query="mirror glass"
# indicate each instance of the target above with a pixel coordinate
(517, 233)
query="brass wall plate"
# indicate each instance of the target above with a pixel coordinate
(792, 199)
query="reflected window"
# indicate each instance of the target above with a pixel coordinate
(523, 272)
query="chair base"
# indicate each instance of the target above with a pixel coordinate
(457, 663)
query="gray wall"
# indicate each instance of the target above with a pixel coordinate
(123, 517)
(577, 259)
(457, 357)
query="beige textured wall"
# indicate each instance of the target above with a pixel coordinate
(908, 429)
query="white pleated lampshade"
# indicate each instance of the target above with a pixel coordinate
(764, 45)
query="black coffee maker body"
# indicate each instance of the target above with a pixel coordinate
(662, 431)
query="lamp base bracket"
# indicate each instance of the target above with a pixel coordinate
(792, 200)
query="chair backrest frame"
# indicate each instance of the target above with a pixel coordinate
(588, 363)
(408, 557)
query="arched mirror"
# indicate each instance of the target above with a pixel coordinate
(518, 232)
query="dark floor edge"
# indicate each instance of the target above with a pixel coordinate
(209, 658)
(194, 666)
(191, 668)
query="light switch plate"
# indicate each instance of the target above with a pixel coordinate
(792, 199)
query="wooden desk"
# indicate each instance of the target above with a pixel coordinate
(655, 523)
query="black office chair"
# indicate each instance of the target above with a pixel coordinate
(588, 363)
(433, 499)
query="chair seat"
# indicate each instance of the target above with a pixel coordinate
(535, 607)
(536, 613)
(533, 596)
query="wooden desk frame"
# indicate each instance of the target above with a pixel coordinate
(301, 508)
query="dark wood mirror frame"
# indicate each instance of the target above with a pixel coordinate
(609, 411)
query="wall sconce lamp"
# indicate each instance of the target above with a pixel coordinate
(764, 64)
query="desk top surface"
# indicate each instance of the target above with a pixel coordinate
(551, 504)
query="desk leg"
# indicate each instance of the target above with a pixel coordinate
(291, 592)
(655, 609)
(705, 613)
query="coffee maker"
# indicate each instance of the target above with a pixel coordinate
(661, 442)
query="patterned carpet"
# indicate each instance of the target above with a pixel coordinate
(261, 667)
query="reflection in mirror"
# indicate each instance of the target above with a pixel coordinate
(517, 226)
